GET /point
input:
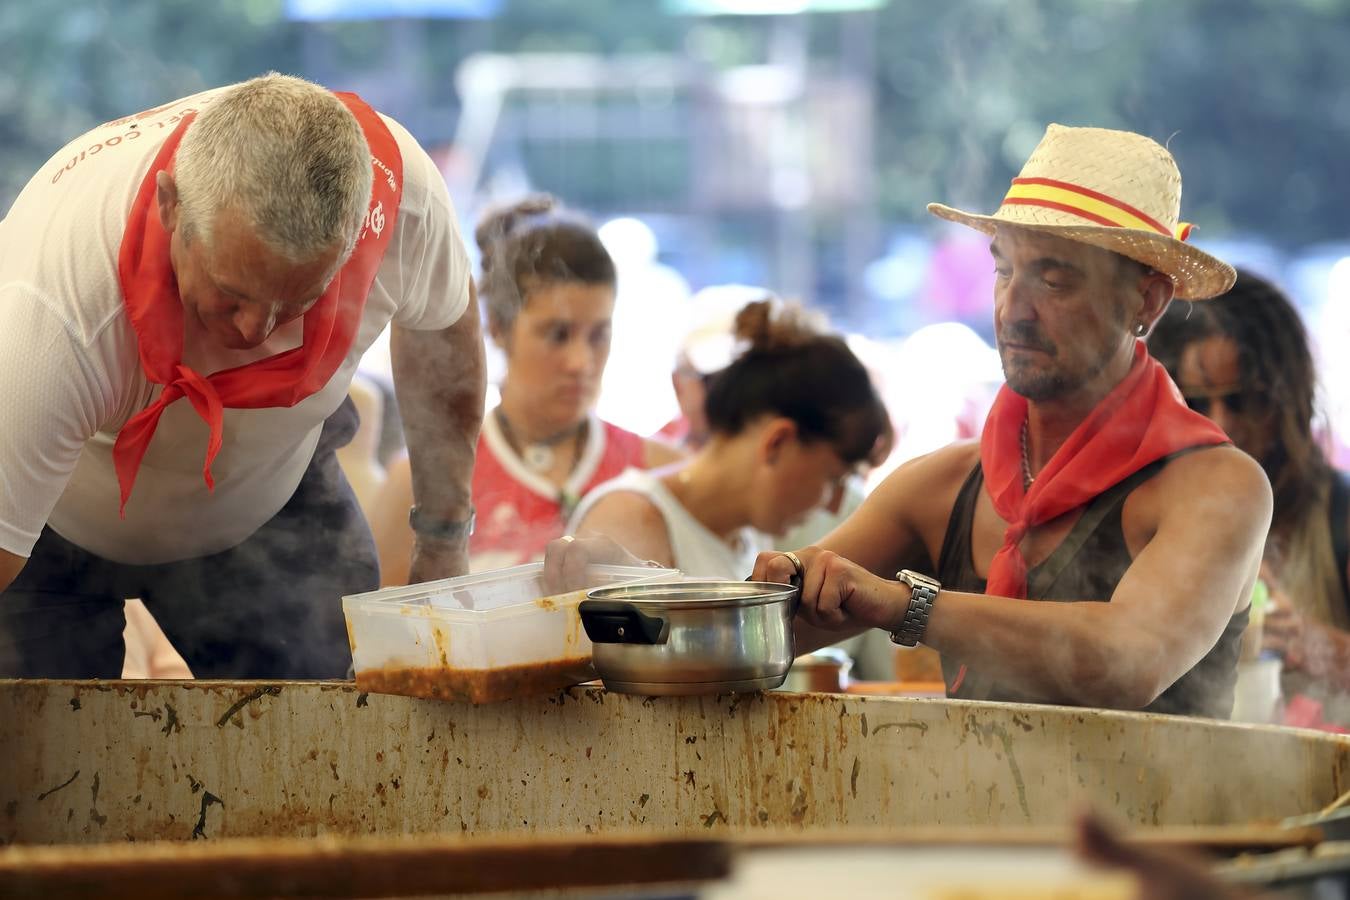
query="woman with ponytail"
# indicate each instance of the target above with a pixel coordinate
(789, 418)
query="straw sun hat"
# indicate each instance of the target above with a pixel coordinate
(1112, 189)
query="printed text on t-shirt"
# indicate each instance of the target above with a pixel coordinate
(133, 132)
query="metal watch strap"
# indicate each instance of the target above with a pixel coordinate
(923, 590)
(426, 526)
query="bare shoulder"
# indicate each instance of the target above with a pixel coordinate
(1215, 489)
(1223, 473)
(633, 520)
(629, 517)
(619, 511)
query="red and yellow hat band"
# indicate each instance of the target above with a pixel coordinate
(1096, 207)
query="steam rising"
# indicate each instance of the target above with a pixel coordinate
(268, 608)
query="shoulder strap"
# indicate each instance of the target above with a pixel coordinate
(954, 554)
(1060, 558)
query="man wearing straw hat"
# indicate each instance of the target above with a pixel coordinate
(1092, 485)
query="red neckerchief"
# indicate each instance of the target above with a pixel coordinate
(150, 292)
(1141, 420)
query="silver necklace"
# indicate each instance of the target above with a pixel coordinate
(1027, 478)
(538, 456)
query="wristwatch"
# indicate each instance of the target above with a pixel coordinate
(426, 526)
(922, 592)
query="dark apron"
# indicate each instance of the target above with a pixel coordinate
(268, 608)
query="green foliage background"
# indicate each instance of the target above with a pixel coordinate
(1254, 95)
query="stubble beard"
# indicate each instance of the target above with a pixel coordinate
(1023, 376)
(1047, 385)
(1035, 386)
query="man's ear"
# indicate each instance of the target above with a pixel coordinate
(1156, 290)
(777, 433)
(166, 198)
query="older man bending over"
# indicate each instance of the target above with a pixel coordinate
(184, 297)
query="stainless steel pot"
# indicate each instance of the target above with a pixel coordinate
(698, 637)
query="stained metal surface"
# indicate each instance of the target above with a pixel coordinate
(113, 761)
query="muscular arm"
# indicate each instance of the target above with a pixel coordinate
(1209, 512)
(1165, 615)
(902, 522)
(440, 379)
(899, 526)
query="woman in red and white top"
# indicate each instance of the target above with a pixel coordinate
(548, 287)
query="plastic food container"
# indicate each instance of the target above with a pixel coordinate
(480, 638)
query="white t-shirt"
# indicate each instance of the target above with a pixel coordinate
(697, 551)
(70, 374)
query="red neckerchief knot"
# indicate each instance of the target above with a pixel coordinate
(150, 294)
(1141, 420)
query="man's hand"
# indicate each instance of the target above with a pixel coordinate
(837, 594)
(1286, 632)
(567, 558)
(1305, 644)
(434, 559)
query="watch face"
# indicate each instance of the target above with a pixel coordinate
(918, 579)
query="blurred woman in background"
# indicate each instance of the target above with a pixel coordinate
(706, 346)
(548, 288)
(1243, 360)
(788, 420)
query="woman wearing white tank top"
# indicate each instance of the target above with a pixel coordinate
(790, 418)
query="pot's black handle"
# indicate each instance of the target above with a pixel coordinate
(619, 622)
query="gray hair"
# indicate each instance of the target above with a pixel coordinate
(285, 153)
